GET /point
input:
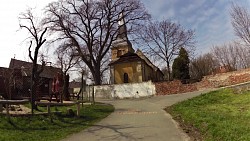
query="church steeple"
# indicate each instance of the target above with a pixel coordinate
(122, 29)
(121, 45)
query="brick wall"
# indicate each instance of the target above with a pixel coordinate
(173, 87)
(225, 79)
(210, 81)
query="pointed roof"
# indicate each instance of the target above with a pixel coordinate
(26, 68)
(122, 36)
(122, 28)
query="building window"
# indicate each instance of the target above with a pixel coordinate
(125, 78)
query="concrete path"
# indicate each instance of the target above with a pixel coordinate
(140, 119)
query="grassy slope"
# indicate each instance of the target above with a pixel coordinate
(41, 128)
(219, 115)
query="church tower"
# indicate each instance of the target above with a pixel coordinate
(126, 66)
(121, 45)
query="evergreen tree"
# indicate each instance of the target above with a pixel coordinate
(181, 66)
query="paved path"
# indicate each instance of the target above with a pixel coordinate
(140, 119)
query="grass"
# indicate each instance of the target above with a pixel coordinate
(56, 127)
(219, 116)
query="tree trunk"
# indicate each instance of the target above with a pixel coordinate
(33, 89)
(66, 95)
(97, 79)
(96, 74)
(168, 71)
(93, 95)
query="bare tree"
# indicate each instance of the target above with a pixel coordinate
(66, 59)
(164, 39)
(240, 19)
(233, 55)
(226, 55)
(243, 55)
(91, 26)
(37, 35)
(202, 65)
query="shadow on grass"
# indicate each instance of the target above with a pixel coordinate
(15, 126)
(88, 115)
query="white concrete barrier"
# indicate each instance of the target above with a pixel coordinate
(127, 90)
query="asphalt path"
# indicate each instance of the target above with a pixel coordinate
(138, 119)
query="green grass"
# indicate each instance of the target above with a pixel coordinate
(219, 116)
(56, 127)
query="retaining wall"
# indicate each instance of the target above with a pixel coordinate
(128, 90)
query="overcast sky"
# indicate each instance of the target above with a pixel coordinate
(209, 18)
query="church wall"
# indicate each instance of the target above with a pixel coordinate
(159, 76)
(148, 73)
(133, 69)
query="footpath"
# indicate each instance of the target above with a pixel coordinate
(138, 119)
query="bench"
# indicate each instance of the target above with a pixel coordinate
(49, 104)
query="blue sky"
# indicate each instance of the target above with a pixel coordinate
(209, 18)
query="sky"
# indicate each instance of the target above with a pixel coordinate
(209, 18)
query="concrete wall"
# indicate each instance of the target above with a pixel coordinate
(128, 90)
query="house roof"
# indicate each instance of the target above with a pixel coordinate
(138, 56)
(127, 57)
(141, 55)
(75, 84)
(26, 68)
(4, 72)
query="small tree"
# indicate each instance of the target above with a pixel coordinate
(181, 66)
(37, 35)
(66, 59)
(202, 65)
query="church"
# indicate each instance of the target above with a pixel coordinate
(128, 66)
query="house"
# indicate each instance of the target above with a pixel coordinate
(74, 87)
(128, 66)
(21, 73)
(5, 76)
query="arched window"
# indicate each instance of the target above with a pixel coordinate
(125, 78)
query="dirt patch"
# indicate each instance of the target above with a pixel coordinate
(17, 110)
(190, 130)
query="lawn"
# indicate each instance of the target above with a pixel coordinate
(56, 127)
(217, 116)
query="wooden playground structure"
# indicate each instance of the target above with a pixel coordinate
(54, 98)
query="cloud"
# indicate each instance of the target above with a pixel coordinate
(209, 18)
(160, 8)
(189, 6)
